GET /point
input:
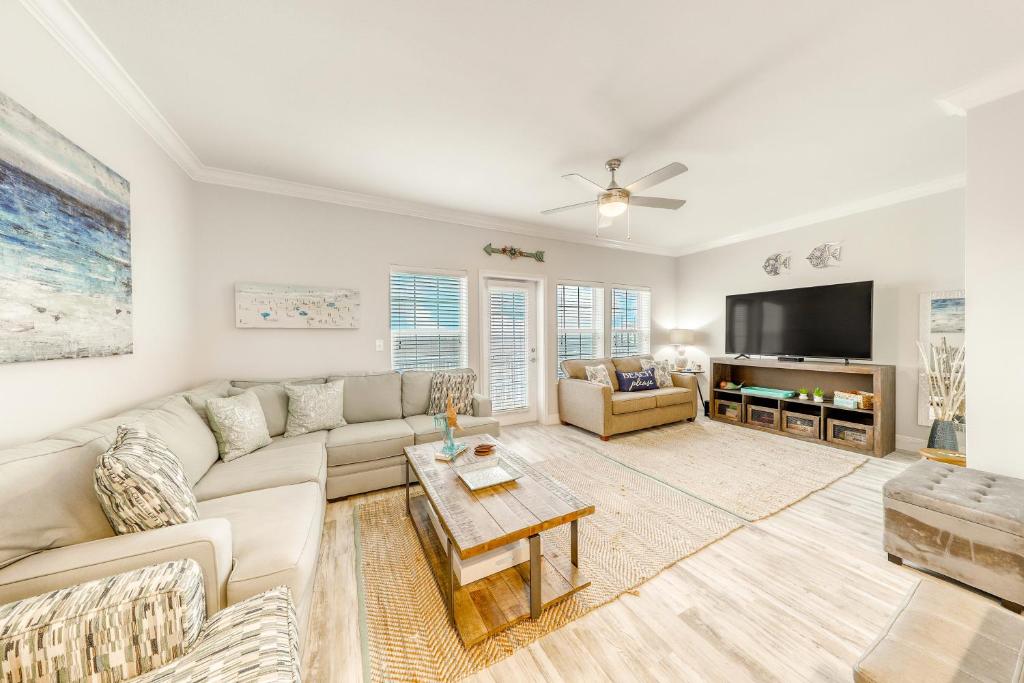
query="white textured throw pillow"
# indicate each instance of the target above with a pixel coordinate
(455, 385)
(598, 374)
(312, 407)
(238, 423)
(662, 371)
(141, 485)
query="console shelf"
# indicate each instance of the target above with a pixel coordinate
(878, 424)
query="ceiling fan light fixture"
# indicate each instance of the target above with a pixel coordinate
(613, 203)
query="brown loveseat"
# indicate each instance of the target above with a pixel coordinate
(606, 411)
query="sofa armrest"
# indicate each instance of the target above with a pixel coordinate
(482, 406)
(253, 640)
(113, 628)
(207, 541)
(686, 381)
(585, 404)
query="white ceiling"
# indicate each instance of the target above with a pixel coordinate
(780, 109)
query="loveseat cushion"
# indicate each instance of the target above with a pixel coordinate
(672, 396)
(425, 431)
(372, 396)
(275, 538)
(631, 363)
(366, 441)
(189, 438)
(631, 402)
(266, 468)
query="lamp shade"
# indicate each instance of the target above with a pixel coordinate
(681, 337)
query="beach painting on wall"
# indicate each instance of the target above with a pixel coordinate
(295, 306)
(943, 315)
(65, 246)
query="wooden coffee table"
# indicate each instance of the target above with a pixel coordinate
(477, 522)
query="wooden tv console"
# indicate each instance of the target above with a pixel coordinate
(880, 380)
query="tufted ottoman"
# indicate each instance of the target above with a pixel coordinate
(965, 524)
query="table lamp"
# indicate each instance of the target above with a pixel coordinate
(679, 339)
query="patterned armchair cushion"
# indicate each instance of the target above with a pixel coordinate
(110, 629)
(253, 641)
(238, 423)
(142, 485)
(456, 385)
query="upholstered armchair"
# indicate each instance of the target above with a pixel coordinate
(148, 625)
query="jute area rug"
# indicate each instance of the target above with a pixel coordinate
(650, 513)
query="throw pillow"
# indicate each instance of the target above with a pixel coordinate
(641, 380)
(662, 371)
(312, 407)
(141, 485)
(238, 423)
(599, 374)
(274, 401)
(455, 385)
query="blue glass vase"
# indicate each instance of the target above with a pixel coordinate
(441, 422)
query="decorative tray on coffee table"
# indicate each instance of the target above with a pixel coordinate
(480, 475)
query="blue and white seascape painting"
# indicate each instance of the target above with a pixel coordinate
(947, 315)
(65, 246)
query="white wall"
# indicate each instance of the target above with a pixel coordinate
(906, 249)
(42, 397)
(249, 236)
(995, 266)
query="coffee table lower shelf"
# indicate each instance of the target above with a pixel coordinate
(497, 602)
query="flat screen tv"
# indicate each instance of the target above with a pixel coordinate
(833, 321)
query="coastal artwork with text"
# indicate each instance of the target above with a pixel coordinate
(295, 306)
(65, 246)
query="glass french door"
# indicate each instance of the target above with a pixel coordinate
(511, 353)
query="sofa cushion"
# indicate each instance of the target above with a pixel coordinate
(671, 397)
(275, 538)
(266, 468)
(189, 438)
(631, 363)
(198, 397)
(250, 383)
(577, 369)
(141, 483)
(238, 423)
(416, 392)
(425, 431)
(371, 396)
(631, 402)
(365, 441)
(319, 437)
(274, 401)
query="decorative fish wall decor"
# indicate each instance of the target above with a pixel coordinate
(515, 252)
(826, 254)
(776, 263)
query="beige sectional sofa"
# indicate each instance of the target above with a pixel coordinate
(606, 411)
(261, 516)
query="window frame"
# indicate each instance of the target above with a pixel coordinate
(601, 327)
(646, 333)
(464, 336)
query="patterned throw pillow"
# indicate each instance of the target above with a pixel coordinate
(238, 423)
(312, 407)
(641, 380)
(598, 374)
(662, 371)
(141, 484)
(458, 386)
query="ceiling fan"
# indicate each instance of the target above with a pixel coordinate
(614, 200)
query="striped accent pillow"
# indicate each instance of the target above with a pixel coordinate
(457, 385)
(142, 485)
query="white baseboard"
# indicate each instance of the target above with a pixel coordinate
(911, 444)
(551, 419)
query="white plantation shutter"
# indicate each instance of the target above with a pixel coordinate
(507, 340)
(429, 321)
(631, 321)
(580, 312)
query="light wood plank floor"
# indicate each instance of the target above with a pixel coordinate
(794, 597)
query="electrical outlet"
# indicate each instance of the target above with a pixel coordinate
(380, 344)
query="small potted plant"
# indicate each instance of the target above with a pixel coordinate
(819, 395)
(803, 394)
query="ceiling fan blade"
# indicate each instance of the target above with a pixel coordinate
(659, 176)
(570, 206)
(656, 202)
(586, 183)
(604, 221)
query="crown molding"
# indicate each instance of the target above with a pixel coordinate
(879, 201)
(989, 89)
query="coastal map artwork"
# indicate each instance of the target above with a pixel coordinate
(65, 246)
(295, 306)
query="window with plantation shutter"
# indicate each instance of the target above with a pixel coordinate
(428, 321)
(579, 309)
(631, 321)
(506, 348)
